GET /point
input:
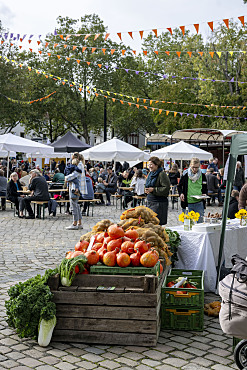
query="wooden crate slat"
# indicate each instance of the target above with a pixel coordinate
(108, 299)
(107, 312)
(109, 280)
(94, 337)
(123, 326)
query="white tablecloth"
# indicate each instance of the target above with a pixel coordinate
(200, 250)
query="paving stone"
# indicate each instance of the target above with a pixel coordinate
(143, 367)
(176, 362)
(202, 361)
(109, 364)
(65, 366)
(44, 367)
(182, 340)
(202, 346)
(33, 353)
(95, 350)
(76, 351)
(56, 352)
(220, 367)
(183, 355)
(220, 352)
(220, 360)
(109, 355)
(117, 350)
(50, 360)
(70, 359)
(151, 363)
(9, 364)
(4, 350)
(92, 357)
(133, 355)
(166, 367)
(86, 365)
(155, 355)
(3, 358)
(177, 345)
(15, 355)
(193, 367)
(127, 361)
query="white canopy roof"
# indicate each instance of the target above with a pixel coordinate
(49, 155)
(10, 142)
(182, 151)
(115, 150)
(4, 153)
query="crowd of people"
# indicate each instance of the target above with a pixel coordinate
(88, 180)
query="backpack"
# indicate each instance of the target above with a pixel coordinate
(233, 291)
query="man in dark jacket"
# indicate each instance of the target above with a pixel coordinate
(111, 184)
(233, 204)
(39, 188)
(192, 186)
(239, 177)
(213, 185)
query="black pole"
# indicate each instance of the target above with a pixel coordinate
(105, 121)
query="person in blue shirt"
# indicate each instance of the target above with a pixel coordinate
(88, 196)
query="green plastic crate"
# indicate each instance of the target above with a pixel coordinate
(190, 298)
(182, 319)
(188, 273)
(235, 342)
(100, 269)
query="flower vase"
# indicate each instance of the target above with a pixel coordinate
(243, 221)
(188, 223)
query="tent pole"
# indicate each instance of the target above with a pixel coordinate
(8, 166)
(223, 154)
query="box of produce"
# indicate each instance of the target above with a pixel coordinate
(189, 294)
(188, 273)
(101, 269)
(182, 318)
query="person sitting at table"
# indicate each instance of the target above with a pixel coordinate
(193, 182)
(58, 177)
(100, 189)
(13, 187)
(233, 204)
(3, 189)
(124, 180)
(213, 186)
(39, 188)
(111, 184)
(138, 183)
(242, 197)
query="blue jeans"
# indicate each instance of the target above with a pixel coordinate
(237, 187)
(197, 207)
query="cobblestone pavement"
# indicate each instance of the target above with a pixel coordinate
(28, 247)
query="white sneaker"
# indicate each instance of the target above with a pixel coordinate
(72, 227)
(80, 226)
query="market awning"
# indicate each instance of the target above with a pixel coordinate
(158, 139)
(204, 134)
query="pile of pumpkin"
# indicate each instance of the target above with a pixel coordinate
(116, 247)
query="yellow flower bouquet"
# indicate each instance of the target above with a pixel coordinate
(190, 218)
(242, 215)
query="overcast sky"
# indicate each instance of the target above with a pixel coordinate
(39, 17)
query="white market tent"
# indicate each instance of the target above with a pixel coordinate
(49, 155)
(115, 150)
(4, 154)
(10, 142)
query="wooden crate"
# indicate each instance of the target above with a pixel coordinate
(91, 312)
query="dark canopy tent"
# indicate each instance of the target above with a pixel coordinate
(69, 143)
(238, 147)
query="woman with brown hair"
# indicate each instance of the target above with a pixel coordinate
(157, 189)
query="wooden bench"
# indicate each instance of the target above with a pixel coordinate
(2, 197)
(212, 197)
(40, 204)
(174, 199)
(142, 199)
(117, 197)
(90, 203)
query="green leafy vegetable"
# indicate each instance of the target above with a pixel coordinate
(174, 242)
(29, 303)
(67, 269)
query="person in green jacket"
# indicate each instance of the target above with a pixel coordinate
(58, 177)
(157, 189)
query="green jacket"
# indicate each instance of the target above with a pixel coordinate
(162, 185)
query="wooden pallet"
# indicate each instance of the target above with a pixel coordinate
(89, 312)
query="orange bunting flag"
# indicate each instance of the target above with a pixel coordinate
(144, 101)
(55, 45)
(145, 52)
(190, 53)
(96, 94)
(112, 51)
(123, 52)
(131, 34)
(83, 49)
(113, 99)
(88, 63)
(58, 56)
(153, 109)
(61, 36)
(11, 44)
(38, 42)
(20, 46)
(74, 47)
(49, 54)
(211, 25)
(96, 36)
(40, 51)
(80, 89)
(175, 113)
(106, 36)
(29, 41)
(29, 68)
(196, 25)
(137, 106)
(87, 36)
(119, 35)
(211, 53)
(167, 112)
(201, 53)
(93, 50)
(62, 82)
(21, 39)
(104, 50)
(67, 37)
(160, 111)
(121, 101)
(65, 46)
(167, 52)
(150, 102)
(141, 34)
(155, 32)
(137, 100)
(170, 30)
(68, 59)
(156, 52)
(78, 61)
(144, 106)
(46, 76)
(178, 53)
(46, 44)
(241, 19)
(31, 50)
(182, 28)
(130, 104)
(134, 51)
(100, 65)
(226, 21)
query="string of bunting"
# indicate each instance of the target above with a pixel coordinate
(18, 37)
(28, 102)
(151, 101)
(74, 84)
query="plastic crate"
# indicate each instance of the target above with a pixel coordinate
(235, 341)
(188, 273)
(100, 269)
(190, 297)
(182, 319)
